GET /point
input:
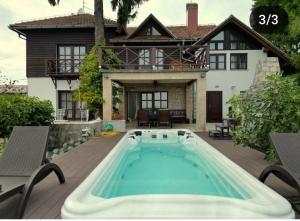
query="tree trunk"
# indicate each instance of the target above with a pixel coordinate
(99, 20)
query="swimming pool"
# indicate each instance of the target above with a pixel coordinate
(171, 174)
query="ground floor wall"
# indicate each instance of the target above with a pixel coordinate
(44, 88)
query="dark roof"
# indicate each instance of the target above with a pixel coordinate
(235, 21)
(179, 32)
(70, 21)
(153, 18)
(13, 89)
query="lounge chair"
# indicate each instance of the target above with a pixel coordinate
(164, 118)
(143, 118)
(24, 164)
(287, 147)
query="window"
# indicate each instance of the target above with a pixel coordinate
(144, 57)
(161, 100)
(217, 42)
(152, 31)
(238, 61)
(147, 100)
(70, 58)
(160, 59)
(65, 101)
(217, 61)
(157, 100)
(237, 42)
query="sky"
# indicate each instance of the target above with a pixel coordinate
(169, 12)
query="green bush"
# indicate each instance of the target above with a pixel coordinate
(273, 108)
(18, 110)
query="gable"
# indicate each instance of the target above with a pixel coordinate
(232, 38)
(254, 40)
(151, 27)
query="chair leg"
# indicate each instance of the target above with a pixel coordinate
(36, 177)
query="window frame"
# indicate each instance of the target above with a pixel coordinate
(238, 62)
(160, 100)
(217, 62)
(74, 110)
(68, 62)
(153, 100)
(216, 42)
(239, 41)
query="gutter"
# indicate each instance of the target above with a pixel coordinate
(21, 35)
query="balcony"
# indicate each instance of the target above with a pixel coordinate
(159, 58)
(63, 68)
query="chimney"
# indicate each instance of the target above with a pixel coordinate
(192, 16)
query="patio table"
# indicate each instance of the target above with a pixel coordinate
(223, 127)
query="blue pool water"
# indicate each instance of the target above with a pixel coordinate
(164, 168)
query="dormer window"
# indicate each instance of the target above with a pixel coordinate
(152, 31)
(217, 42)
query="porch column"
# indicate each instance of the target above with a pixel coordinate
(201, 104)
(107, 97)
(122, 104)
(189, 102)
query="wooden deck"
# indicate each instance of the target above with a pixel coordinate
(48, 196)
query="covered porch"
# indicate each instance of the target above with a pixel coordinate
(181, 93)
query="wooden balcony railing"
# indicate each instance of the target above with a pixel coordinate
(155, 58)
(63, 67)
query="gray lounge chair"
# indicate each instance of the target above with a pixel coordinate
(287, 147)
(24, 164)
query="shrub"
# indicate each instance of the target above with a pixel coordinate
(18, 110)
(273, 108)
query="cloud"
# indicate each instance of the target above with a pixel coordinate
(169, 12)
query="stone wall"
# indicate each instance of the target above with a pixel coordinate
(264, 68)
(176, 93)
(65, 132)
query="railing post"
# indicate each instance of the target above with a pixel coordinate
(206, 57)
(100, 57)
(153, 57)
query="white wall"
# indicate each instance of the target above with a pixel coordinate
(231, 82)
(44, 89)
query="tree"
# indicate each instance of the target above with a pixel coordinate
(289, 40)
(275, 107)
(8, 83)
(125, 14)
(126, 11)
(90, 89)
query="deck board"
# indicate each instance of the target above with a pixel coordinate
(48, 196)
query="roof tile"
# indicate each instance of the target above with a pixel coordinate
(78, 20)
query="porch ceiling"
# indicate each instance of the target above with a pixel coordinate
(173, 81)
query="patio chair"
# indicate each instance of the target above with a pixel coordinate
(287, 147)
(164, 118)
(24, 164)
(143, 118)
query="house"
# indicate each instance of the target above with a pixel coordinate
(13, 89)
(192, 70)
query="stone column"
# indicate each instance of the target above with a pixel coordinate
(107, 97)
(201, 105)
(122, 104)
(189, 101)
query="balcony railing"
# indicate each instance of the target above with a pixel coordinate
(155, 58)
(63, 67)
